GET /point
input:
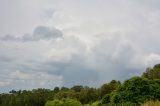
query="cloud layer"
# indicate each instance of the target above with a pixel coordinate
(78, 42)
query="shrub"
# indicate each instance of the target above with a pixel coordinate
(71, 102)
(54, 103)
(151, 103)
(64, 102)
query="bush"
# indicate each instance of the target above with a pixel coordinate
(151, 103)
(64, 102)
(54, 103)
(71, 102)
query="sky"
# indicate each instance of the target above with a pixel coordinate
(49, 43)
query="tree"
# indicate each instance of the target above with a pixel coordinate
(108, 87)
(106, 99)
(61, 95)
(137, 90)
(77, 88)
(71, 102)
(56, 90)
(13, 91)
(88, 95)
(64, 89)
(152, 73)
(54, 103)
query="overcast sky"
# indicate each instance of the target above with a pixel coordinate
(48, 43)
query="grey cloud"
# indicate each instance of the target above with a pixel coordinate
(9, 38)
(47, 33)
(16, 75)
(112, 58)
(39, 33)
(80, 75)
(75, 72)
(71, 73)
(5, 59)
(125, 44)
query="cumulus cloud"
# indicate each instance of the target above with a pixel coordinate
(39, 33)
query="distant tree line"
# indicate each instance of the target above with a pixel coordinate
(132, 92)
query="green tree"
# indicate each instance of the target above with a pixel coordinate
(88, 95)
(56, 90)
(137, 90)
(61, 95)
(108, 88)
(152, 73)
(71, 102)
(64, 89)
(106, 99)
(77, 88)
(54, 103)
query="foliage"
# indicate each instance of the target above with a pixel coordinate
(54, 103)
(77, 88)
(64, 102)
(106, 99)
(151, 103)
(108, 87)
(71, 102)
(152, 73)
(137, 90)
(88, 95)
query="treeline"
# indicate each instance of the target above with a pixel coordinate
(133, 91)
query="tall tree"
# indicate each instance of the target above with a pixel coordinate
(152, 73)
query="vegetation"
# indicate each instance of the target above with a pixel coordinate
(151, 103)
(64, 102)
(139, 90)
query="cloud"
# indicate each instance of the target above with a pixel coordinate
(39, 33)
(4, 83)
(42, 32)
(60, 68)
(26, 80)
(9, 38)
(94, 42)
